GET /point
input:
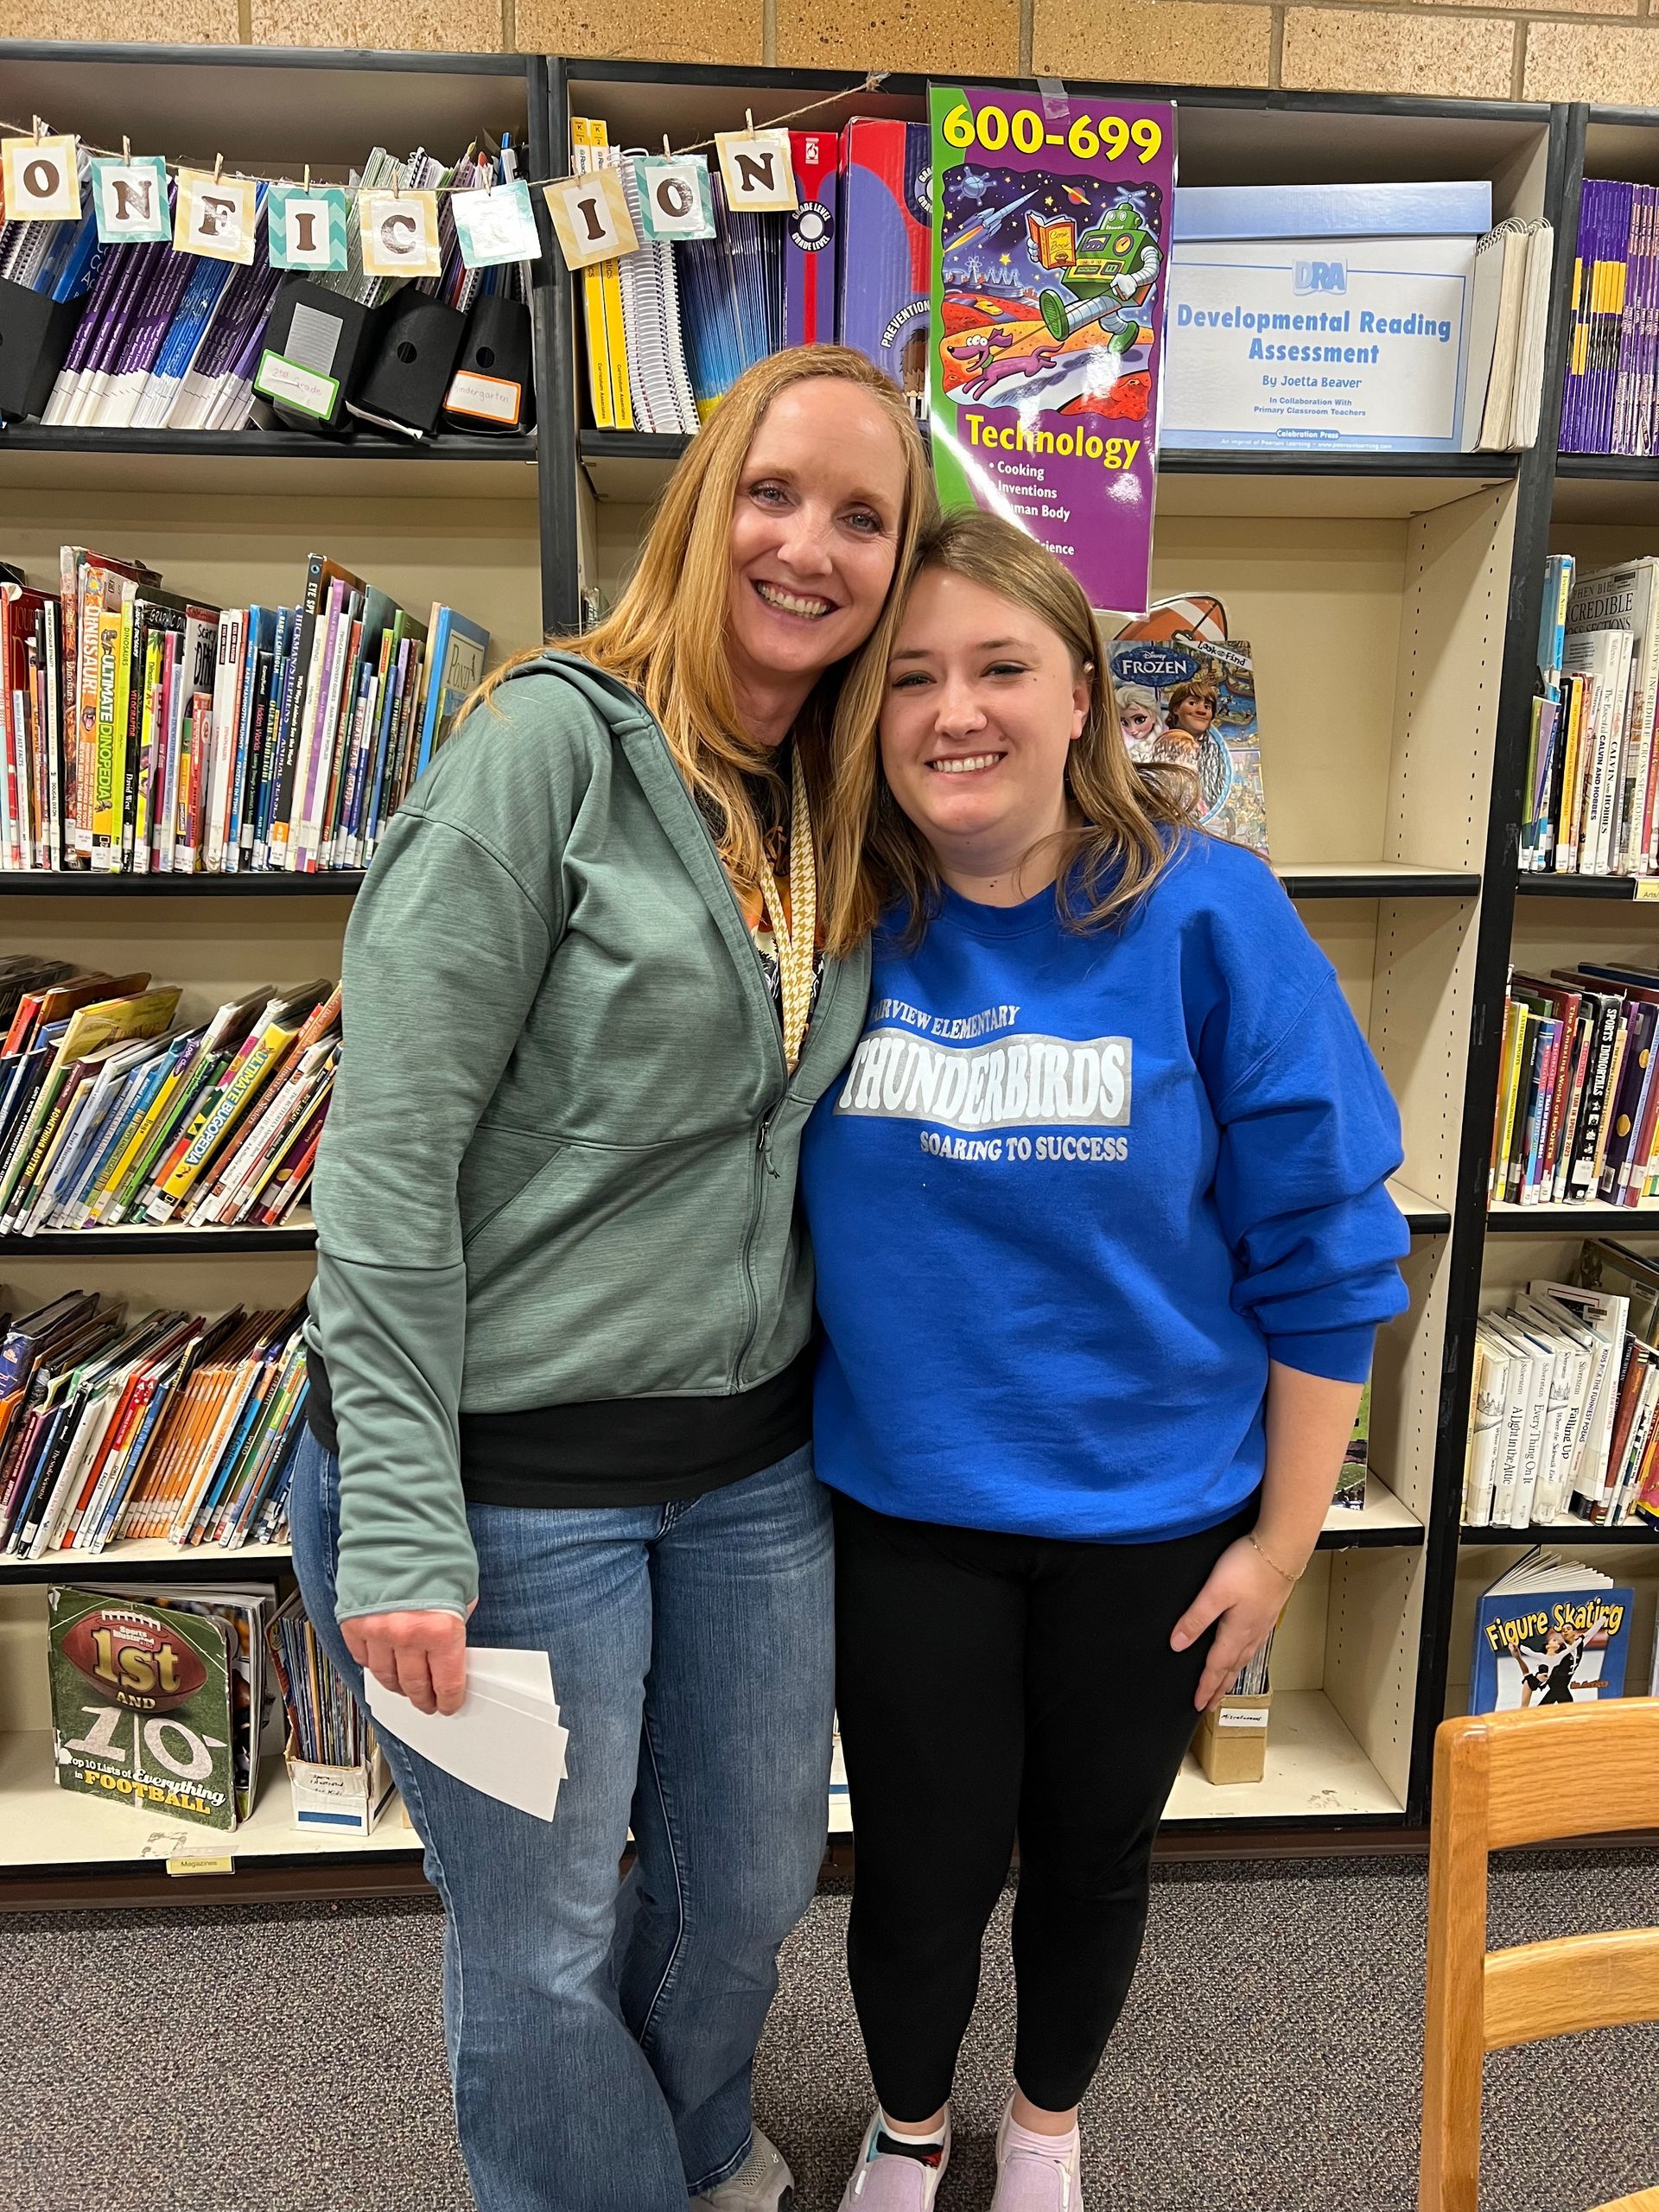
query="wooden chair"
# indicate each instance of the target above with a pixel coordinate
(1502, 1778)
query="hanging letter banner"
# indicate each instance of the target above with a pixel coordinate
(400, 233)
(495, 223)
(216, 216)
(307, 226)
(39, 180)
(130, 200)
(675, 202)
(1051, 247)
(758, 176)
(590, 218)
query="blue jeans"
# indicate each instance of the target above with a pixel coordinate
(601, 2036)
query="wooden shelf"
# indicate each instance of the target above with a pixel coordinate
(235, 463)
(1570, 1533)
(45, 1826)
(1628, 889)
(163, 1240)
(119, 1560)
(264, 883)
(1315, 1766)
(1374, 879)
(630, 468)
(1423, 1216)
(1587, 1216)
(1382, 1519)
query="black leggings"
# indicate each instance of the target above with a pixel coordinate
(988, 1686)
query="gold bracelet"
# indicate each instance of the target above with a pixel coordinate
(1292, 1579)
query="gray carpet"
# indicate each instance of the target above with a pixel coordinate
(289, 2059)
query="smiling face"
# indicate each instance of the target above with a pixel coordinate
(982, 707)
(1195, 713)
(815, 533)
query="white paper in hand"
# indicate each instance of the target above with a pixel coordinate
(505, 1739)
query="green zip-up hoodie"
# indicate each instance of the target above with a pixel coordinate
(560, 1162)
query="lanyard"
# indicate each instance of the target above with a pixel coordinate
(796, 947)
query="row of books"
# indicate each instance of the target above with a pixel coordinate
(672, 326)
(1591, 804)
(1552, 1631)
(168, 1425)
(167, 340)
(1578, 1098)
(147, 730)
(111, 1114)
(1611, 400)
(1563, 1415)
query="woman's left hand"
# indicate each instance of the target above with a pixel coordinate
(1243, 1597)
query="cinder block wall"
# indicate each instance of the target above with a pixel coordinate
(1601, 50)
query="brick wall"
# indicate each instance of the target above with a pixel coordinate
(1603, 50)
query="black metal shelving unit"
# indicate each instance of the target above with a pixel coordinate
(265, 104)
(341, 94)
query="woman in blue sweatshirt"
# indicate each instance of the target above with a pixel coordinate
(1102, 1239)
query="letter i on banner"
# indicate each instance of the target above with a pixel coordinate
(130, 200)
(306, 226)
(400, 233)
(216, 216)
(590, 219)
(39, 178)
(675, 203)
(759, 176)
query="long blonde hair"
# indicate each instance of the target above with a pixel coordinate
(666, 636)
(1126, 817)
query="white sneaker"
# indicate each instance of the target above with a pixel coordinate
(762, 2183)
(1037, 2181)
(889, 2182)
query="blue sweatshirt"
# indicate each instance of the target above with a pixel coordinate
(1074, 1192)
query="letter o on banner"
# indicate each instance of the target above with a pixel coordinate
(40, 180)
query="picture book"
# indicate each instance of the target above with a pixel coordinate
(1550, 1631)
(1185, 698)
(1050, 248)
(142, 1707)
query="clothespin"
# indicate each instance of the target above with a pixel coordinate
(126, 150)
(39, 129)
(306, 186)
(218, 167)
(667, 150)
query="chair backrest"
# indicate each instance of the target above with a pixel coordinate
(1502, 1778)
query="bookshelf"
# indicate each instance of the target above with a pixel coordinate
(1602, 508)
(1390, 599)
(232, 516)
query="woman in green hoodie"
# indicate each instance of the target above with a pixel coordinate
(603, 967)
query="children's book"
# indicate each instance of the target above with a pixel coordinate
(1185, 698)
(145, 1708)
(1550, 1631)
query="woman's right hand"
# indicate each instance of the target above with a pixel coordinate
(421, 1654)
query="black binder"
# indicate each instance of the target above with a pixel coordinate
(336, 336)
(491, 394)
(34, 334)
(409, 372)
